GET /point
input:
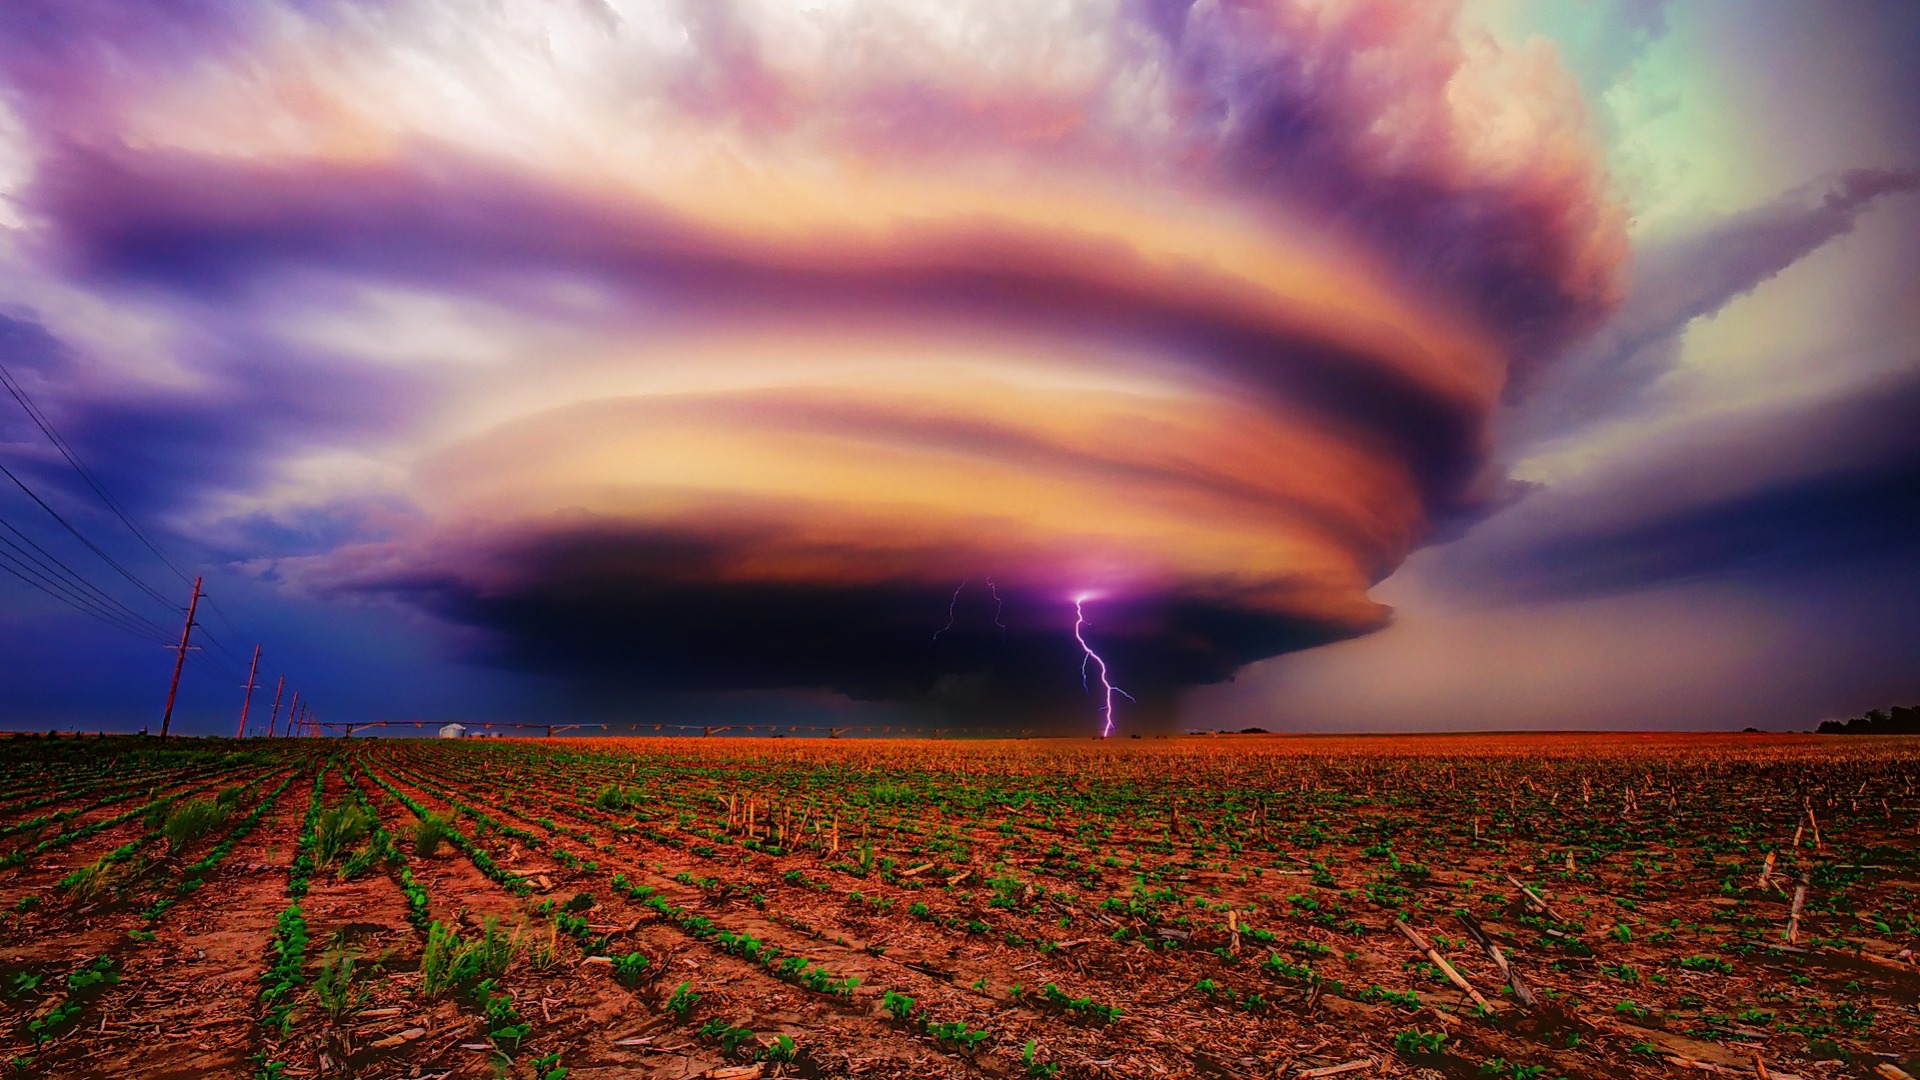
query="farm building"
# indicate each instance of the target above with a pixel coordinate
(453, 731)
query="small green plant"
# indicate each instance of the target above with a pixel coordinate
(1415, 1043)
(1499, 1066)
(381, 849)
(334, 987)
(956, 1032)
(493, 951)
(1084, 1006)
(1706, 963)
(102, 972)
(1281, 967)
(437, 974)
(54, 1022)
(631, 968)
(899, 1005)
(545, 952)
(1406, 999)
(504, 1025)
(1007, 888)
(447, 963)
(88, 883)
(682, 1001)
(616, 797)
(729, 1036)
(190, 822)
(429, 833)
(82, 983)
(780, 1050)
(1036, 1068)
(338, 831)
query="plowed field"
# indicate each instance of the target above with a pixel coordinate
(1471, 906)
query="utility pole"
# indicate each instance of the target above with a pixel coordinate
(293, 709)
(193, 605)
(247, 702)
(281, 685)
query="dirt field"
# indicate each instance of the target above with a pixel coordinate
(1227, 907)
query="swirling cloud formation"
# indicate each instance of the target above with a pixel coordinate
(757, 341)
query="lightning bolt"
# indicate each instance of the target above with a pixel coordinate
(1107, 689)
(997, 605)
(952, 606)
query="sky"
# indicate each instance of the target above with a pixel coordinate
(1067, 365)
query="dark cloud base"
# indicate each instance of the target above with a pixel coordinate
(611, 614)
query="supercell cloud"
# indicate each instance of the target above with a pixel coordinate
(714, 345)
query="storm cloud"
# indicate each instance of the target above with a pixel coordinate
(711, 346)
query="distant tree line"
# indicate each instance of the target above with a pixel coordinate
(1900, 720)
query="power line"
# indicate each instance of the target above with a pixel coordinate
(54, 585)
(207, 632)
(78, 591)
(219, 667)
(78, 535)
(45, 424)
(222, 616)
(74, 579)
(28, 567)
(13, 565)
(60, 443)
(45, 571)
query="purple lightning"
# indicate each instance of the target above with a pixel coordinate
(997, 605)
(1107, 688)
(952, 606)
